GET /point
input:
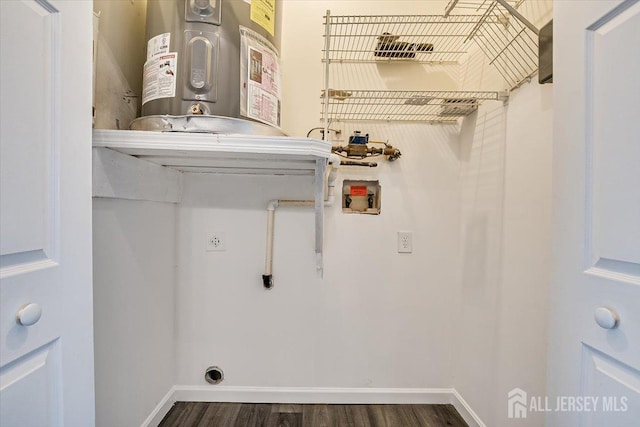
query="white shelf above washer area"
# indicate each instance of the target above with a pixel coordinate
(148, 165)
(218, 153)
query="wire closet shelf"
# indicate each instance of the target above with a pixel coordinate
(424, 106)
(504, 35)
(397, 38)
(415, 38)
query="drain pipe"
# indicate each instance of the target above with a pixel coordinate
(330, 179)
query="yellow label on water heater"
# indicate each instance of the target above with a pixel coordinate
(263, 13)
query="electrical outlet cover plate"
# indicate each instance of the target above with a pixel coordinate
(405, 242)
(216, 241)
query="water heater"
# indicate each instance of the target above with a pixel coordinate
(212, 66)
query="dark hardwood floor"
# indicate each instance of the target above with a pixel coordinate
(192, 414)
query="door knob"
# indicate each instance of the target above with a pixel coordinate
(606, 317)
(29, 314)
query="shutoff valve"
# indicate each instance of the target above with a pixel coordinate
(360, 148)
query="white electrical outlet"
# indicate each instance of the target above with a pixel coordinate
(216, 241)
(405, 242)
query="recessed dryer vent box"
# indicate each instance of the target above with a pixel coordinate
(361, 197)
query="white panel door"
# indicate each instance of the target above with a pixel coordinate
(595, 293)
(46, 308)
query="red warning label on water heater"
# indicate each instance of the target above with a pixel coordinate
(358, 190)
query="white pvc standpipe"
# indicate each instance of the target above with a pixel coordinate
(271, 213)
(267, 278)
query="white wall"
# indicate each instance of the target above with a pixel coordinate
(121, 52)
(466, 309)
(379, 318)
(501, 337)
(303, 72)
(134, 275)
(133, 246)
(501, 332)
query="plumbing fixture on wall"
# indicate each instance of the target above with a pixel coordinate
(336, 132)
(361, 197)
(213, 375)
(329, 182)
(359, 149)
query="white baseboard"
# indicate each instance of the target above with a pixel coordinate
(313, 395)
(161, 410)
(465, 410)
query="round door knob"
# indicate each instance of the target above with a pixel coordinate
(29, 314)
(606, 317)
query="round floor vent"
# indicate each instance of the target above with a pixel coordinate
(214, 375)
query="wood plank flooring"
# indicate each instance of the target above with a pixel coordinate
(201, 414)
